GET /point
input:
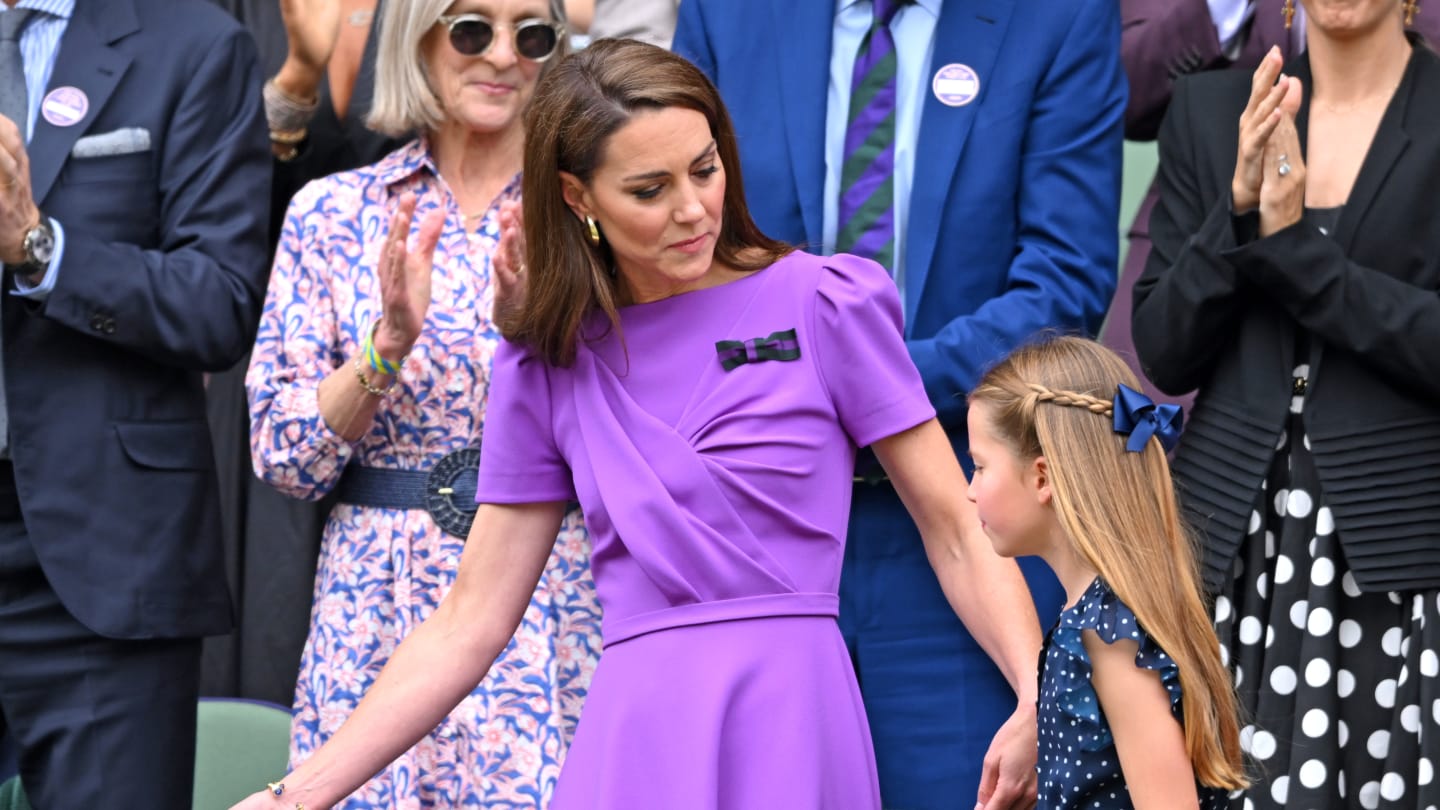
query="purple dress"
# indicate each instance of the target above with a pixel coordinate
(717, 503)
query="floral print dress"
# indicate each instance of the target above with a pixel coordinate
(383, 571)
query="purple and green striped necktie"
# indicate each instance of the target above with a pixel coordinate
(867, 173)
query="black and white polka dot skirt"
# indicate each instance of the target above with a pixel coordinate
(1338, 688)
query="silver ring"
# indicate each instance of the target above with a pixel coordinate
(1284, 158)
(1283, 169)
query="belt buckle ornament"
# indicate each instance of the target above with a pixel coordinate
(450, 491)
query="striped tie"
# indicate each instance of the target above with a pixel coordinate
(867, 176)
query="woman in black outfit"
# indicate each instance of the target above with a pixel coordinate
(1295, 281)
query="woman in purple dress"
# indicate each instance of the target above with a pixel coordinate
(701, 390)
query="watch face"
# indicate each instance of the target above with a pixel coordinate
(40, 244)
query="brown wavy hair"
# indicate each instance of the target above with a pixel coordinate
(1053, 398)
(577, 106)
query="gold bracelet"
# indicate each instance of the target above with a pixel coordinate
(367, 385)
(291, 137)
(278, 789)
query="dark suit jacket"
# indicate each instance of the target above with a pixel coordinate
(1012, 214)
(1220, 310)
(162, 278)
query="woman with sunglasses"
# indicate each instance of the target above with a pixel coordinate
(701, 390)
(368, 383)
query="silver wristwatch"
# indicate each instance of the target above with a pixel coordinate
(39, 246)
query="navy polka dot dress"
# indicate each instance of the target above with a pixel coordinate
(1078, 766)
(1340, 687)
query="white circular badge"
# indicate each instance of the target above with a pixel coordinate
(955, 85)
(65, 106)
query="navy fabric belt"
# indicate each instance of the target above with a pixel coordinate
(446, 491)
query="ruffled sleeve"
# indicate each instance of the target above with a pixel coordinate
(1102, 611)
(296, 347)
(520, 461)
(861, 353)
(1113, 620)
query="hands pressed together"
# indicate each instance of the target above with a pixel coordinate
(1269, 168)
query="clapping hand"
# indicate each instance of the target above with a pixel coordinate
(1282, 193)
(18, 213)
(313, 27)
(1261, 118)
(508, 266)
(405, 279)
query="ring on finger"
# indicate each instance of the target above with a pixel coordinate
(1283, 169)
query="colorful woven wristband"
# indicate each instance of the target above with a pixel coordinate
(373, 358)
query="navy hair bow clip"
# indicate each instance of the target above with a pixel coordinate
(1140, 418)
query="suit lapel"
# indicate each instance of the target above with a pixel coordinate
(802, 68)
(1391, 140)
(969, 34)
(87, 63)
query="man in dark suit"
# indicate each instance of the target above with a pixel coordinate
(134, 177)
(1006, 185)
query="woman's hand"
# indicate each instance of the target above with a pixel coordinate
(1261, 117)
(263, 800)
(312, 28)
(405, 279)
(508, 266)
(1282, 194)
(1008, 780)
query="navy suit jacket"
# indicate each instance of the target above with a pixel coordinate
(162, 279)
(1016, 195)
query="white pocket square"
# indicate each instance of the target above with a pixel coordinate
(125, 141)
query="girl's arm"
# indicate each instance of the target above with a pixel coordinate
(987, 592)
(439, 663)
(1150, 742)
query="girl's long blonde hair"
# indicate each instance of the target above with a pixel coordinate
(1053, 398)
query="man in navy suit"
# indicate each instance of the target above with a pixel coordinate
(134, 184)
(1006, 179)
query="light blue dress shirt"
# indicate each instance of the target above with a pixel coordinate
(39, 45)
(913, 28)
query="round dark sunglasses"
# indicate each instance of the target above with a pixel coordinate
(473, 35)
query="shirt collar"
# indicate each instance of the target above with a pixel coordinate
(55, 8)
(405, 162)
(932, 6)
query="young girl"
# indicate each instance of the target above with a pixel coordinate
(1136, 708)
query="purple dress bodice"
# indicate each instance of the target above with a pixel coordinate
(712, 494)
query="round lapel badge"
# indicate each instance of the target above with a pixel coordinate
(955, 85)
(65, 106)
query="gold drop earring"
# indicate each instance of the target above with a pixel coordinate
(1412, 7)
(1289, 13)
